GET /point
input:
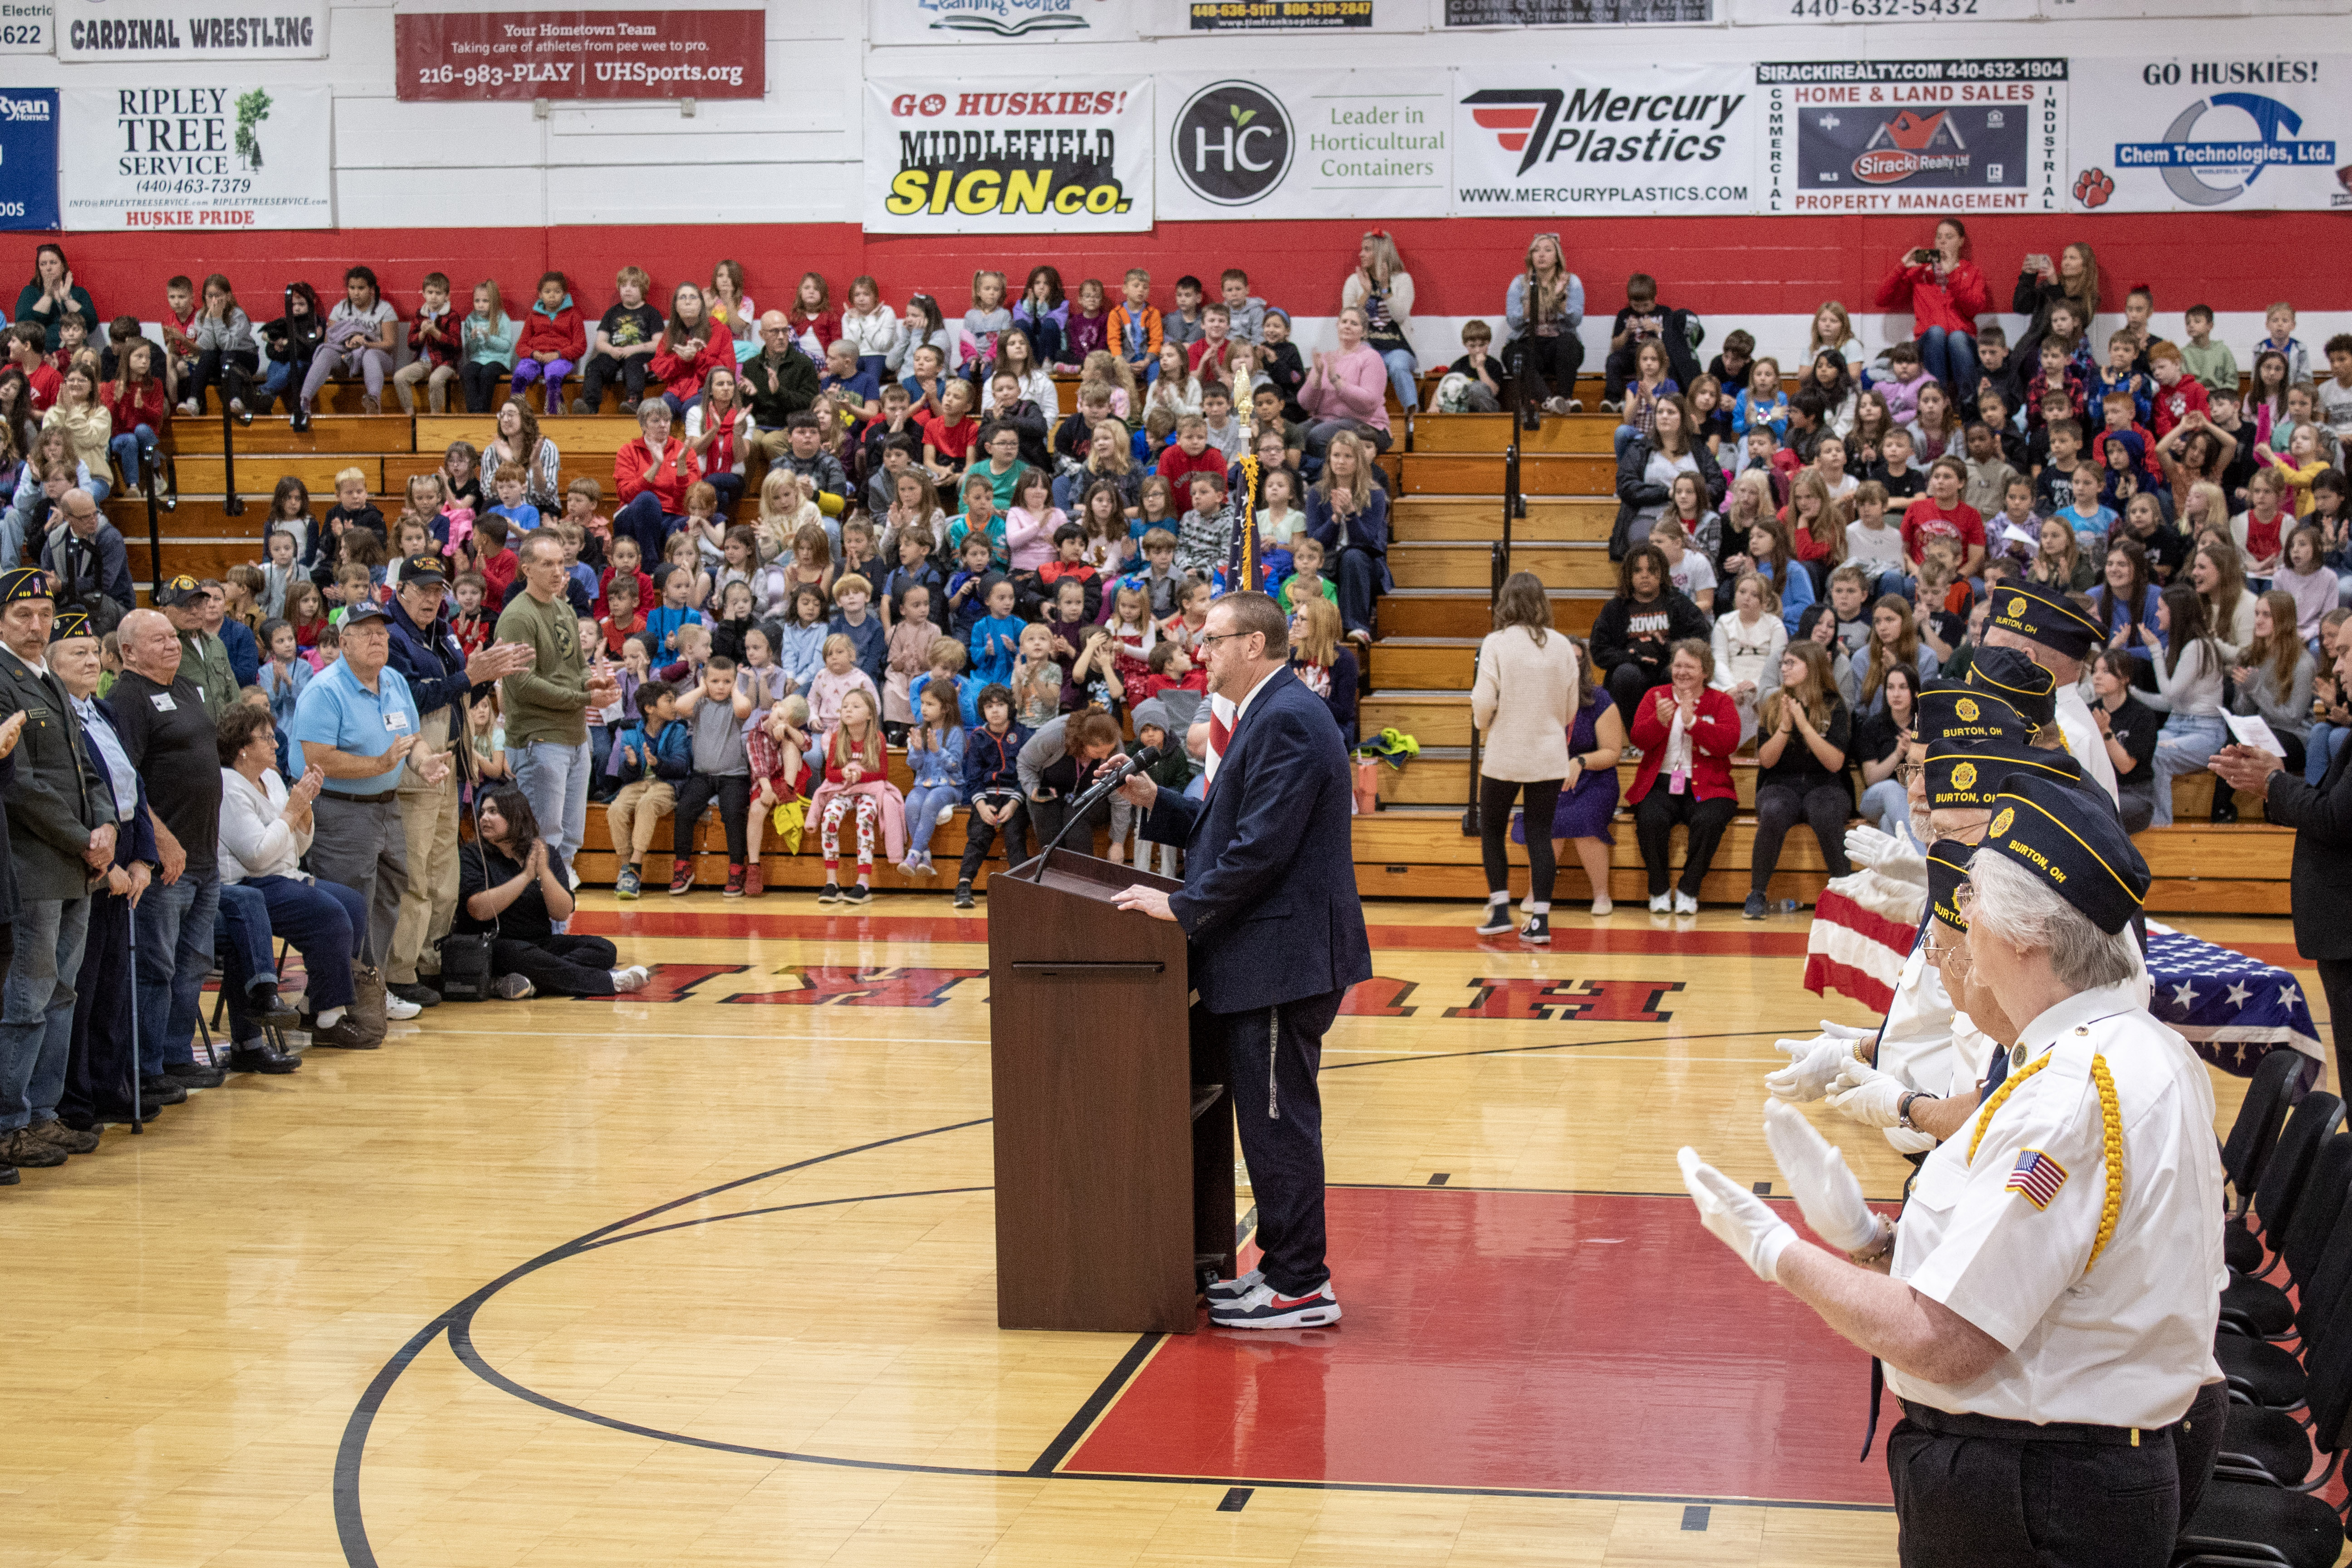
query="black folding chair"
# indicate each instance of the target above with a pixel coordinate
(2252, 1138)
(2260, 1307)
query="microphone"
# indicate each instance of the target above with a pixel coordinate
(1117, 772)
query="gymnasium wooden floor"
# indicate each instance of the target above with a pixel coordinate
(706, 1277)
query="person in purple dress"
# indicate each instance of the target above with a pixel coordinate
(1588, 798)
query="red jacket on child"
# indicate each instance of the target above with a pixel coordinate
(130, 406)
(559, 334)
(681, 376)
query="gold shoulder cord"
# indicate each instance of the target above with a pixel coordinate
(2111, 1120)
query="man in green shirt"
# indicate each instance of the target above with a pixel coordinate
(547, 705)
(204, 660)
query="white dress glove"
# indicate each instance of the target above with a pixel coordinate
(1812, 1064)
(1869, 1096)
(1827, 1193)
(1740, 1218)
(1847, 1032)
(1895, 859)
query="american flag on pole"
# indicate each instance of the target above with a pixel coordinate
(2037, 1177)
(1863, 926)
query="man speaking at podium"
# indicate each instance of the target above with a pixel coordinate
(1276, 938)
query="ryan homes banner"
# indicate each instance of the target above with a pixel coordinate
(1054, 155)
(1926, 136)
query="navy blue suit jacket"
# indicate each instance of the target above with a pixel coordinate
(1269, 898)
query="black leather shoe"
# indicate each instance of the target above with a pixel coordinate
(265, 1004)
(300, 421)
(149, 1110)
(258, 1056)
(164, 1090)
(194, 1075)
(423, 995)
(8, 1177)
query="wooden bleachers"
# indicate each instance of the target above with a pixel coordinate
(1445, 472)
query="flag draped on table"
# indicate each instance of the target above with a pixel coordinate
(2232, 1010)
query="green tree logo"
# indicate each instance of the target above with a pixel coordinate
(251, 111)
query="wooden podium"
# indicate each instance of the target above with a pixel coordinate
(1114, 1144)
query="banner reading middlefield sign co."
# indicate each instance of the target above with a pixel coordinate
(1331, 145)
(976, 155)
(2156, 135)
(1540, 140)
(218, 157)
(190, 30)
(1925, 136)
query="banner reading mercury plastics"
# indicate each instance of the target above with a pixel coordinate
(220, 157)
(1923, 136)
(1057, 155)
(1637, 141)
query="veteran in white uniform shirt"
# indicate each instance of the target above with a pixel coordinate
(2048, 1308)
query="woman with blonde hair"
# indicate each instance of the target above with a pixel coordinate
(1523, 702)
(2218, 572)
(1894, 645)
(1541, 310)
(1803, 734)
(1348, 514)
(2276, 675)
(1383, 290)
(1323, 662)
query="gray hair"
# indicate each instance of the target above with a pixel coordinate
(2021, 909)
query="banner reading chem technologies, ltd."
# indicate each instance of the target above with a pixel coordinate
(1054, 155)
(2160, 134)
(199, 157)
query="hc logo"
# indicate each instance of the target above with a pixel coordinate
(1231, 144)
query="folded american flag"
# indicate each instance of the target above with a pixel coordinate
(2232, 1010)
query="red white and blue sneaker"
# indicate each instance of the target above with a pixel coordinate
(1266, 1308)
(1234, 1290)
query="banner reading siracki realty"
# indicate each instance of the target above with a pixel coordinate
(975, 155)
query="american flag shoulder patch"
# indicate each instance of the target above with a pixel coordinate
(2036, 1178)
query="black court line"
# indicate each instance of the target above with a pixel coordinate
(1570, 1045)
(456, 1324)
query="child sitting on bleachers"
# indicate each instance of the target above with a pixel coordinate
(935, 754)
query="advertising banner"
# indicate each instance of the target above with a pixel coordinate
(1637, 141)
(1926, 136)
(1176, 18)
(28, 158)
(226, 157)
(968, 155)
(479, 56)
(1837, 13)
(190, 30)
(1578, 12)
(27, 27)
(999, 21)
(2160, 134)
(1329, 144)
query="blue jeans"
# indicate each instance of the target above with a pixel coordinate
(133, 449)
(1951, 358)
(327, 923)
(644, 520)
(174, 926)
(37, 1005)
(1402, 367)
(554, 777)
(243, 937)
(2183, 746)
(1886, 806)
(923, 803)
(2317, 748)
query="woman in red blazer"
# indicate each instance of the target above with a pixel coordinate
(1688, 724)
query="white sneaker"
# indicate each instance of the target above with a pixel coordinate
(1604, 906)
(1684, 903)
(1265, 1308)
(632, 978)
(947, 814)
(397, 1010)
(513, 988)
(191, 407)
(571, 875)
(1234, 1290)
(1663, 904)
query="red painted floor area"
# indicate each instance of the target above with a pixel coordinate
(1534, 1341)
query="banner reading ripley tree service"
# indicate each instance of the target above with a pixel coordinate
(231, 156)
(1007, 154)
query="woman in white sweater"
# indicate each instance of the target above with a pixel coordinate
(1523, 702)
(1748, 646)
(2187, 687)
(265, 828)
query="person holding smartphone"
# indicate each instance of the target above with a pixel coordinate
(1946, 294)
